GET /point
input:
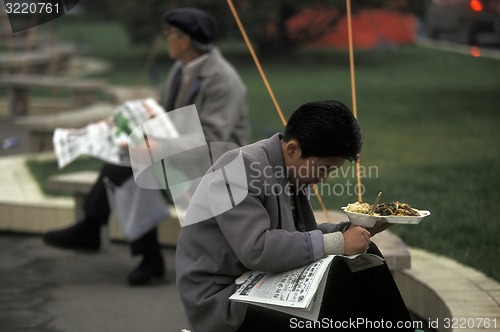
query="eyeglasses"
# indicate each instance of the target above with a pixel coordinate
(171, 31)
(167, 32)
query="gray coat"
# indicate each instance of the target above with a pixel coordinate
(220, 98)
(258, 234)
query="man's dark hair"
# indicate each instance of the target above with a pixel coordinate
(325, 128)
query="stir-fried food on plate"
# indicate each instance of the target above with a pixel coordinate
(395, 209)
(384, 209)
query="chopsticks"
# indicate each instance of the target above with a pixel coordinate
(377, 199)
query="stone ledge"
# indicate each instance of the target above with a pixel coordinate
(437, 288)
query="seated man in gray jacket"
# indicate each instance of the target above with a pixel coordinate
(271, 228)
(202, 76)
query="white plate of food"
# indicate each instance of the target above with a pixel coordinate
(408, 219)
(361, 219)
(394, 213)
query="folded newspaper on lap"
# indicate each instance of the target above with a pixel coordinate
(297, 292)
(107, 139)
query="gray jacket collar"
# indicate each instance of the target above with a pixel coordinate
(305, 217)
(276, 160)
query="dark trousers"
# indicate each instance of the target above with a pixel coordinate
(362, 300)
(97, 208)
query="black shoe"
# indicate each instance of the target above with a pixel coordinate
(83, 236)
(150, 270)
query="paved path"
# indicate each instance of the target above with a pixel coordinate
(443, 45)
(45, 289)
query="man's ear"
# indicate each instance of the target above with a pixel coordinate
(293, 149)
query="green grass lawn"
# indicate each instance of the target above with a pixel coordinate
(430, 123)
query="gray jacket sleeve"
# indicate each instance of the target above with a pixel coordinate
(330, 228)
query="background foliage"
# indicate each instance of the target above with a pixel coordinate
(266, 21)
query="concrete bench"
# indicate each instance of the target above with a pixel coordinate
(37, 60)
(449, 295)
(11, 63)
(82, 92)
(393, 248)
(79, 184)
(40, 128)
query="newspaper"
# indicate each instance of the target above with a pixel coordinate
(108, 139)
(297, 292)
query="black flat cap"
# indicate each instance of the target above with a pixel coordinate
(198, 24)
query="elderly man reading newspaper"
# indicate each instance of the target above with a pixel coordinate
(200, 76)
